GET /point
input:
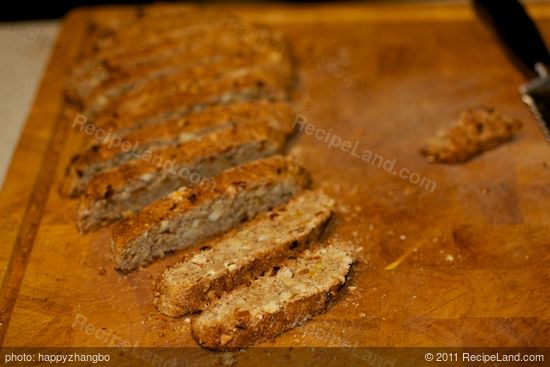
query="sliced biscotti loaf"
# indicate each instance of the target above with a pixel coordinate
(156, 105)
(190, 216)
(301, 288)
(137, 49)
(149, 63)
(204, 68)
(153, 175)
(114, 152)
(243, 254)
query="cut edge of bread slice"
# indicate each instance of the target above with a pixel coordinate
(192, 215)
(302, 288)
(243, 254)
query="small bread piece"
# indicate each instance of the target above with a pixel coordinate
(107, 154)
(192, 215)
(159, 102)
(133, 185)
(243, 254)
(301, 289)
(477, 130)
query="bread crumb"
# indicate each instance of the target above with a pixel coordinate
(362, 315)
(449, 258)
(187, 320)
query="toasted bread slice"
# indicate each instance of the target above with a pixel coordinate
(133, 185)
(114, 152)
(243, 254)
(476, 131)
(301, 289)
(190, 216)
(172, 101)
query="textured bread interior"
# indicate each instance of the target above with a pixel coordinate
(162, 58)
(242, 254)
(271, 304)
(132, 186)
(151, 107)
(151, 138)
(189, 216)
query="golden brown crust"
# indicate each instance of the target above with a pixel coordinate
(242, 254)
(261, 175)
(477, 130)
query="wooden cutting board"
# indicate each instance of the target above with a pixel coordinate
(464, 264)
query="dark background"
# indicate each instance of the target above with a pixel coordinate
(13, 10)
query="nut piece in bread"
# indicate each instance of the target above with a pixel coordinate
(476, 131)
(190, 216)
(301, 288)
(243, 254)
(135, 184)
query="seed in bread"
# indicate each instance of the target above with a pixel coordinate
(131, 186)
(105, 155)
(190, 216)
(301, 288)
(243, 254)
(476, 131)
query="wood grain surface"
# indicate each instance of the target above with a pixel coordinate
(464, 264)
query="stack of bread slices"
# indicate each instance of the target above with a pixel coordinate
(203, 101)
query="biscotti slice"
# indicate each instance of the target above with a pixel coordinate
(116, 151)
(477, 130)
(243, 254)
(146, 109)
(131, 186)
(190, 216)
(301, 289)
